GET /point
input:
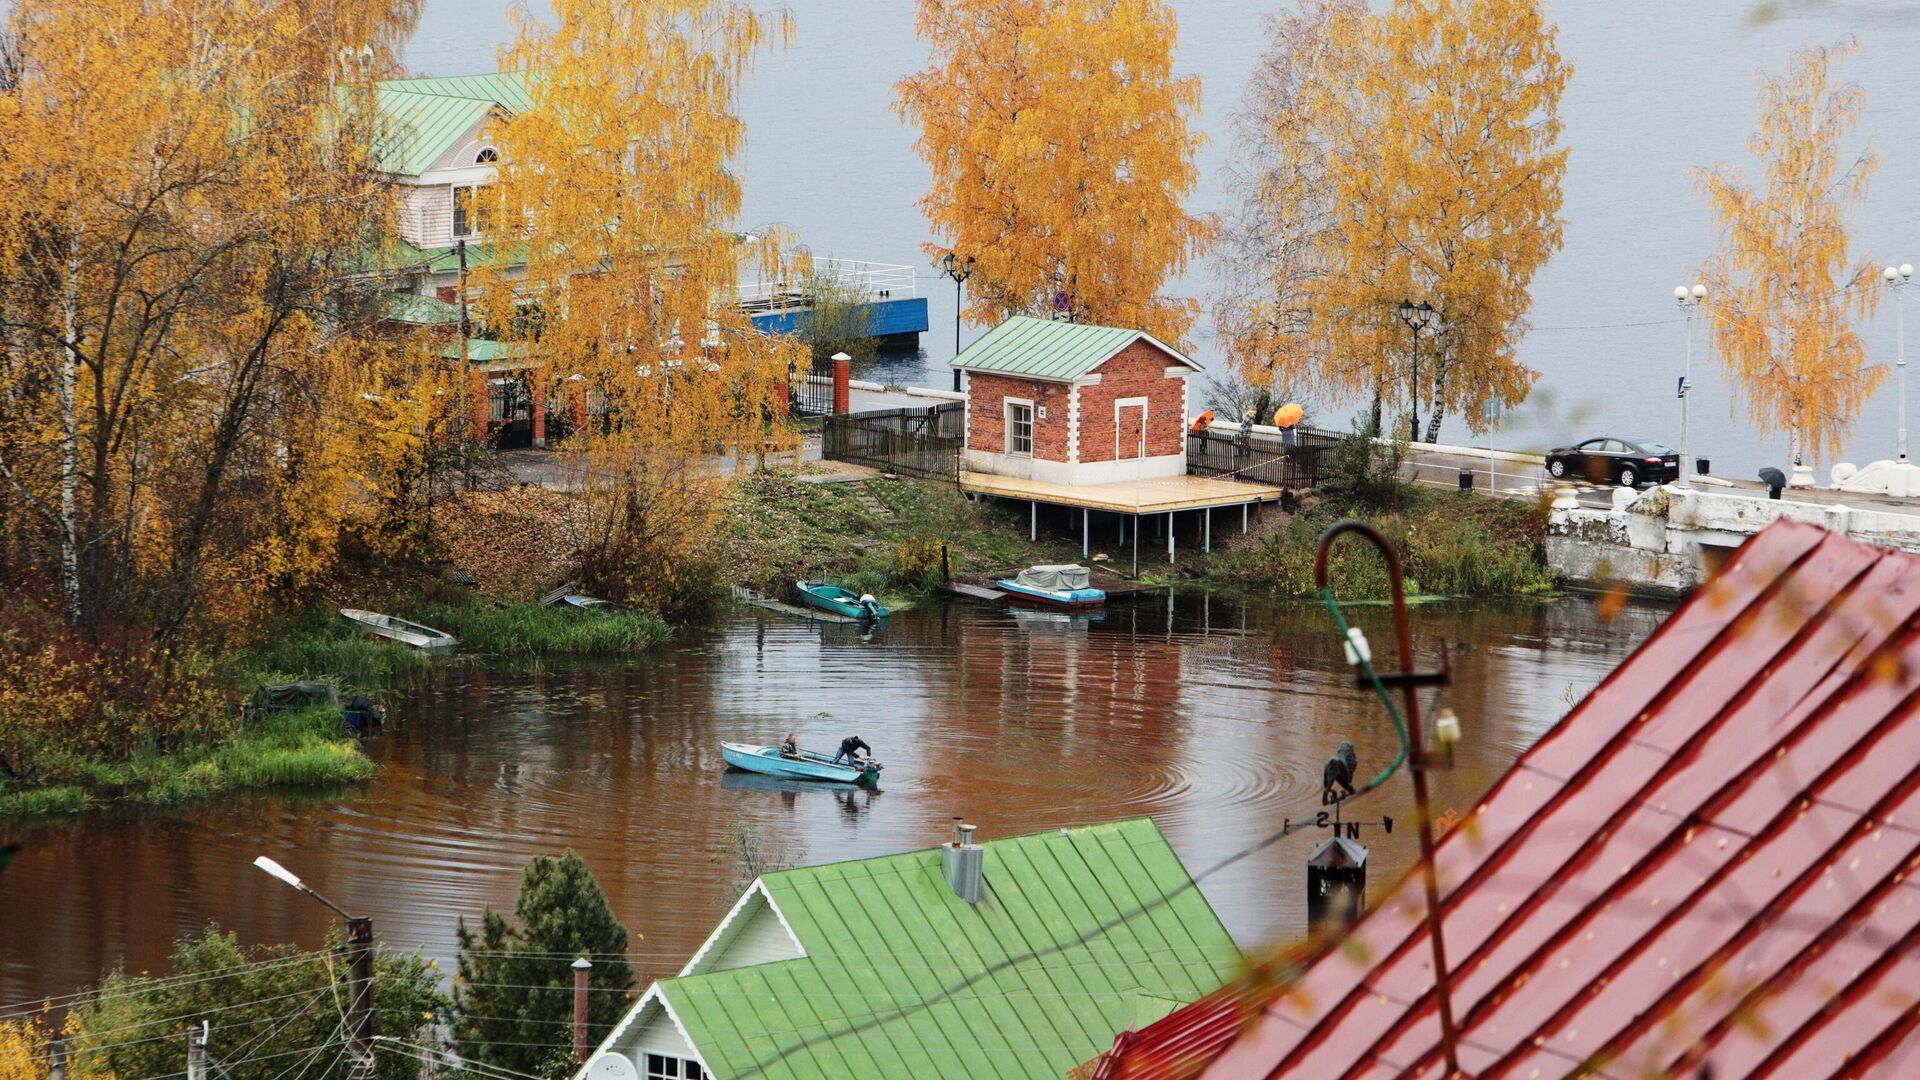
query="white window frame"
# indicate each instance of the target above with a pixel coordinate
(454, 194)
(1006, 413)
(680, 1064)
(1139, 448)
(480, 156)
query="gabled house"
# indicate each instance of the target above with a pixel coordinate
(439, 151)
(1706, 869)
(1070, 403)
(1010, 958)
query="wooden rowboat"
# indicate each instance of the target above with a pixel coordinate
(422, 637)
(807, 765)
(839, 601)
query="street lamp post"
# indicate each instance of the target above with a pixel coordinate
(1689, 301)
(1898, 278)
(1416, 316)
(359, 973)
(959, 271)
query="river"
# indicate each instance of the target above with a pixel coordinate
(1658, 88)
(1211, 714)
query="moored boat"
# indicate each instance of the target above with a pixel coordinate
(803, 765)
(420, 636)
(839, 601)
(1064, 586)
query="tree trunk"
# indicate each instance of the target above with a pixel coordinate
(69, 438)
(1435, 412)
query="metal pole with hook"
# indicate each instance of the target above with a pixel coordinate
(1409, 681)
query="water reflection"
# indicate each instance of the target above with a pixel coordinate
(1210, 714)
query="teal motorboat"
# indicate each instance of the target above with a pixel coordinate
(804, 765)
(840, 601)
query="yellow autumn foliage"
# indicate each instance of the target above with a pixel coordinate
(1785, 285)
(1061, 146)
(624, 194)
(1406, 154)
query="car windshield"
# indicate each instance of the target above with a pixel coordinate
(1655, 448)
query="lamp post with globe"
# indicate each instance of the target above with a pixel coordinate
(1898, 278)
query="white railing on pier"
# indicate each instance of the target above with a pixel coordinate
(863, 280)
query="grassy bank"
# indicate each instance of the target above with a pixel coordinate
(306, 749)
(880, 536)
(1450, 544)
(532, 629)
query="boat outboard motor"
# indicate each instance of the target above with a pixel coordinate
(871, 605)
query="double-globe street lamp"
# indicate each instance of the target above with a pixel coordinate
(959, 270)
(1689, 301)
(1416, 316)
(1898, 278)
(359, 973)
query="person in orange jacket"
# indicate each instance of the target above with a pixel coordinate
(1201, 424)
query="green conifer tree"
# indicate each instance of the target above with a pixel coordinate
(513, 1000)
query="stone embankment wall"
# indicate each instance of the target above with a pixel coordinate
(1663, 541)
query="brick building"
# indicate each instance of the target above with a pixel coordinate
(1067, 403)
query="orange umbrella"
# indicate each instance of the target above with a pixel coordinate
(1288, 415)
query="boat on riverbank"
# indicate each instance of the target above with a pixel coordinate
(420, 636)
(805, 765)
(1065, 587)
(839, 601)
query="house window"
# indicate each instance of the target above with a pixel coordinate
(469, 211)
(487, 156)
(1020, 428)
(663, 1067)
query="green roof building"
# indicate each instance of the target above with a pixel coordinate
(883, 967)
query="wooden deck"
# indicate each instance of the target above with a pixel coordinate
(1161, 496)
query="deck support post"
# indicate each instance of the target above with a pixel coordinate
(1169, 536)
(1033, 520)
(1086, 544)
(1243, 518)
(1207, 544)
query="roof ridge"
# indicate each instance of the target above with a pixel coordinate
(870, 859)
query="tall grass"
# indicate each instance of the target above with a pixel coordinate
(305, 749)
(533, 629)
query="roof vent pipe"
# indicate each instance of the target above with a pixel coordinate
(964, 863)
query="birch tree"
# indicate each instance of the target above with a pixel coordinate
(181, 188)
(1786, 282)
(1413, 154)
(1061, 146)
(620, 181)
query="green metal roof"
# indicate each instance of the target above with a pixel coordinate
(1051, 351)
(485, 351)
(888, 946)
(426, 117)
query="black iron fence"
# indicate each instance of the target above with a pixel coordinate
(811, 395)
(915, 442)
(1291, 460)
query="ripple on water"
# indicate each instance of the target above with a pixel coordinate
(1019, 727)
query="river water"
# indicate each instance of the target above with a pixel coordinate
(1210, 714)
(1658, 88)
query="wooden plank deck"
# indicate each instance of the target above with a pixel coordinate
(815, 614)
(973, 592)
(1158, 496)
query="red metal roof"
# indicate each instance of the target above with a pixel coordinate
(1703, 870)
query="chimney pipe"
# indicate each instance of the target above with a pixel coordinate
(964, 863)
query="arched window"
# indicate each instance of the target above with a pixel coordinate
(487, 156)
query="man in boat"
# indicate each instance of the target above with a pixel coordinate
(853, 749)
(790, 748)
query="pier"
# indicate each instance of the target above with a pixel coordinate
(888, 297)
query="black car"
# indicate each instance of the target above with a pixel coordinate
(1627, 462)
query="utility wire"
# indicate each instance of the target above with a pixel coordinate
(1359, 657)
